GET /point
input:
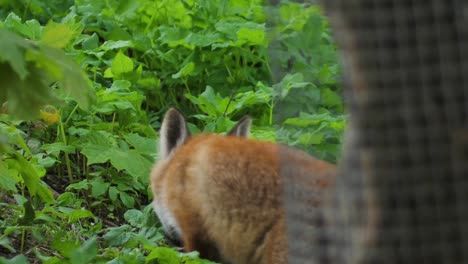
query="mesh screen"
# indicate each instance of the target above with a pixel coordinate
(401, 195)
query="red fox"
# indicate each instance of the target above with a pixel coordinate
(222, 195)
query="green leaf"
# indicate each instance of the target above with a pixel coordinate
(31, 29)
(121, 64)
(91, 42)
(134, 217)
(330, 98)
(12, 51)
(131, 161)
(202, 40)
(81, 185)
(111, 44)
(141, 144)
(96, 153)
(29, 174)
(4, 242)
(74, 81)
(7, 180)
(57, 147)
(174, 36)
(311, 139)
(126, 199)
(78, 214)
(184, 71)
(251, 36)
(56, 35)
(67, 198)
(85, 253)
(20, 259)
(64, 245)
(45, 193)
(118, 236)
(163, 255)
(98, 187)
(113, 191)
(127, 7)
(29, 214)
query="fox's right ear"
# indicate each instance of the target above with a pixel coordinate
(173, 133)
(242, 128)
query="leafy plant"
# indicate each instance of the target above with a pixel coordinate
(85, 83)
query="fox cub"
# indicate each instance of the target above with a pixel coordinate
(222, 195)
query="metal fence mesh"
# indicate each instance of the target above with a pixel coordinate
(401, 195)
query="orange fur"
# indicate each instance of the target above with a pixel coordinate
(225, 194)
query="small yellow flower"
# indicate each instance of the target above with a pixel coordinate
(50, 114)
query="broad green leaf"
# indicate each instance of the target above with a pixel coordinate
(134, 217)
(45, 193)
(311, 139)
(202, 40)
(91, 42)
(20, 259)
(85, 253)
(57, 147)
(111, 44)
(251, 36)
(7, 180)
(12, 52)
(4, 242)
(29, 174)
(120, 85)
(78, 214)
(44, 161)
(48, 65)
(74, 81)
(127, 7)
(96, 153)
(108, 73)
(174, 36)
(118, 236)
(29, 214)
(330, 98)
(121, 64)
(56, 35)
(17, 92)
(184, 71)
(113, 192)
(47, 259)
(31, 29)
(98, 187)
(81, 185)
(141, 144)
(163, 255)
(63, 244)
(126, 199)
(67, 198)
(131, 161)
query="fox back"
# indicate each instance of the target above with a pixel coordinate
(223, 195)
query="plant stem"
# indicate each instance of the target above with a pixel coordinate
(271, 113)
(71, 113)
(112, 124)
(23, 236)
(26, 9)
(67, 159)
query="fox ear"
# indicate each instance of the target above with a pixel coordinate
(242, 128)
(173, 133)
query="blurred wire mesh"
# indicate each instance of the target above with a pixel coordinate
(401, 195)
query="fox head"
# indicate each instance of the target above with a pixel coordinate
(173, 134)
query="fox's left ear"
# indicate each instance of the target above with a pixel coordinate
(174, 132)
(242, 128)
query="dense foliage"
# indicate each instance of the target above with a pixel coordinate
(84, 84)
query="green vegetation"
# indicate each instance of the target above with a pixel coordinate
(84, 84)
